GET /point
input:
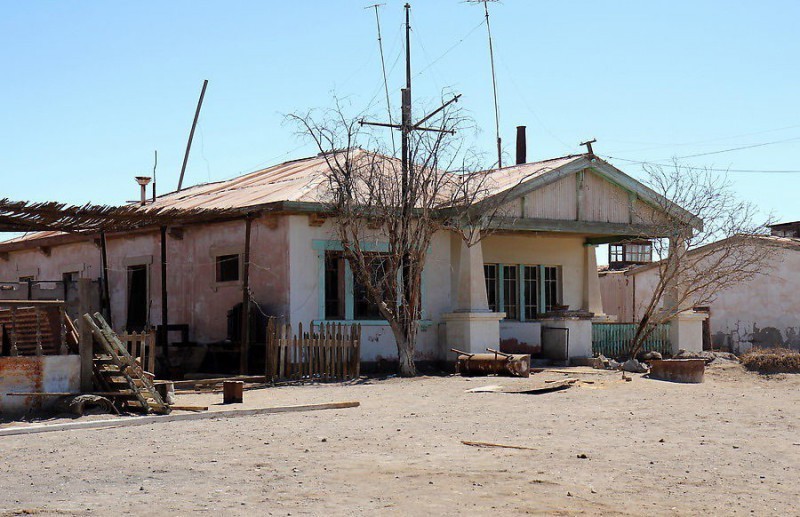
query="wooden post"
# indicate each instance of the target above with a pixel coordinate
(245, 348)
(164, 337)
(232, 392)
(106, 290)
(85, 342)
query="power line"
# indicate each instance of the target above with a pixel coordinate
(710, 169)
(383, 67)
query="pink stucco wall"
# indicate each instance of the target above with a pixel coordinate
(194, 296)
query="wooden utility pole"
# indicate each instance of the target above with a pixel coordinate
(406, 126)
(191, 133)
(164, 337)
(245, 334)
(106, 291)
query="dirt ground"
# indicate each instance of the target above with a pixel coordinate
(725, 447)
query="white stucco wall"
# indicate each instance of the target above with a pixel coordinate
(762, 311)
(378, 342)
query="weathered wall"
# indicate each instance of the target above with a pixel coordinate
(764, 311)
(530, 249)
(194, 296)
(83, 257)
(43, 374)
(616, 291)
(378, 342)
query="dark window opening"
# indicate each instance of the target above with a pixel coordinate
(552, 292)
(334, 285)
(227, 268)
(510, 292)
(626, 254)
(490, 274)
(137, 298)
(531, 292)
(363, 306)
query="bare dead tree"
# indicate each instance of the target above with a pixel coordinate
(709, 241)
(372, 201)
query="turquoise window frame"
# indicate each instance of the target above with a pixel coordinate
(501, 304)
(321, 246)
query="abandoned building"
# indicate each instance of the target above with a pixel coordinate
(531, 286)
(761, 312)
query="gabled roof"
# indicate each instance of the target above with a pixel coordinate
(302, 182)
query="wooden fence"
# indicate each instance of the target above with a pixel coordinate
(327, 352)
(615, 339)
(142, 346)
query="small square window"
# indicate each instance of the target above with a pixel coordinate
(227, 268)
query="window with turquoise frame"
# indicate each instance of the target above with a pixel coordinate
(522, 291)
(341, 296)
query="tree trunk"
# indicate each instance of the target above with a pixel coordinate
(405, 355)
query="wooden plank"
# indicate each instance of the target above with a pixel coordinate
(147, 420)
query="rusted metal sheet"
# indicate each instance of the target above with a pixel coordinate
(678, 370)
(42, 374)
(513, 365)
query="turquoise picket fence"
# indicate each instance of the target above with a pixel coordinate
(614, 339)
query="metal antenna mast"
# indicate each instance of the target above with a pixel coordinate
(155, 164)
(383, 68)
(191, 134)
(494, 82)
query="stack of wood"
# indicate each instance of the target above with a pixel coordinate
(119, 375)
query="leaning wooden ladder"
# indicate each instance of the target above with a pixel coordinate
(118, 372)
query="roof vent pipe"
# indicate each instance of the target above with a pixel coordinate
(143, 181)
(522, 148)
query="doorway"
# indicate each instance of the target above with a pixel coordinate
(137, 298)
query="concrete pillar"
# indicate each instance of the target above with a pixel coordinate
(672, 293)
(686, 331)
(592, 300)
(471, 327)
(471, 280)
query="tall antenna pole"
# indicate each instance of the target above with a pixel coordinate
(383, 67)
(155, 164)
(494, 88)
(191, 134)
(406, 126)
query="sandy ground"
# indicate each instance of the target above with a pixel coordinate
(728, 446)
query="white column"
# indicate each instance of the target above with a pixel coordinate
(471, 280)
(471, 327)
(686, 331)
(592, 301)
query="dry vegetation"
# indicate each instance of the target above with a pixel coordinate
(772, 360)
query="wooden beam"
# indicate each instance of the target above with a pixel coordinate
(85, 340)
(148, 420)
(316, 220)
(581, 227)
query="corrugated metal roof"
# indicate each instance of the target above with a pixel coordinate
(303, 180)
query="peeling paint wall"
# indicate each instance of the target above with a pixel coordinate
(194, 296)
(764, 311)
(378, 342)
(43, 374)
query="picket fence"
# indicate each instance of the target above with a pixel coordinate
(327, 352)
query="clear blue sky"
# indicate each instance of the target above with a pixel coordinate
(90, 89)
